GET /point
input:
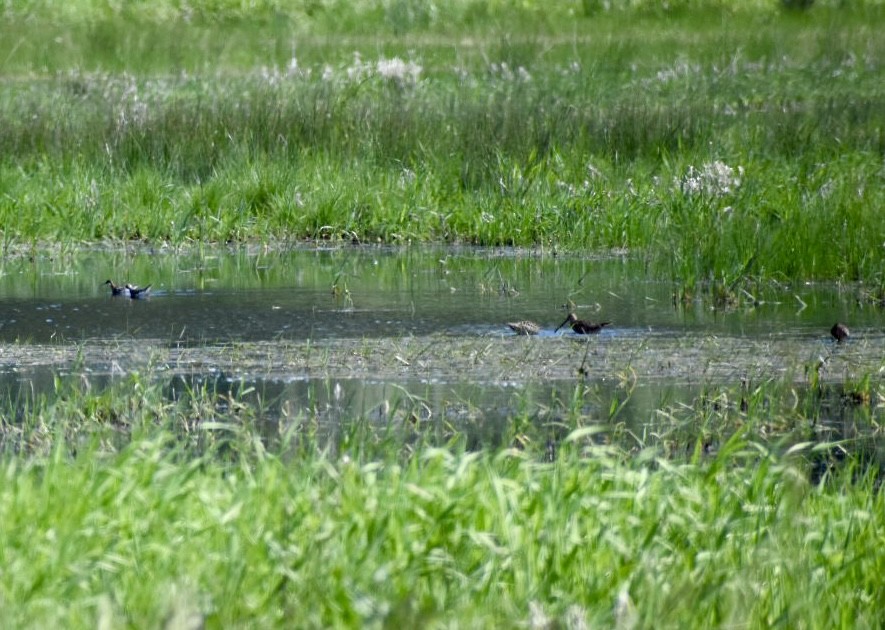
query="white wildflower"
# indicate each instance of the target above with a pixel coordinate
(504, 71)
(537, 617)
(358, 70)
(682, 69)
(398, 71)
(576, 618)
(271, 75)
(407, 178)
(294, 70)
(626, 614)
(462, 73)
(394, 70)
(715, 179)
(567, 188)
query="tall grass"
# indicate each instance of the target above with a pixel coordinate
(154, 532)
(722, 143)
(609, 137)
(126, 506)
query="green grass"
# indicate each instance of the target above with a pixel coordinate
(152, 532)
(721, 146)
(722, 143)
(123, 508)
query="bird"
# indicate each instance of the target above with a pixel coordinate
(137, 293)
(116, 290)
(524, 327)
(839, 332)
(582, 327)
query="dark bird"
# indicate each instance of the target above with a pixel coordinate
(840, 332)
(136, 293)
(524, 327)
(115, 290)
(582, 327)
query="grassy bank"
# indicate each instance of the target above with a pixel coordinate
(189, 520)
(719, 145)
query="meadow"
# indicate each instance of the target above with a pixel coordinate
(726, 144)
(720, 144)
(122, 509)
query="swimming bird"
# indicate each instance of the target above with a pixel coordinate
(840, 332)
(582, 327)
(524, 327)
(135, 293)
(115, 290)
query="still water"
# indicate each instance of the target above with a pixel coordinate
(254, 296)
(349, 302)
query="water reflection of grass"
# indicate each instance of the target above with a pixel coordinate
(382, 522)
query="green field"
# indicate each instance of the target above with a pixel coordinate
(722, 144)
(725, 143)
(123, 510)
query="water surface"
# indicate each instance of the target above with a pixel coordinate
(379, 292)
(337, 333)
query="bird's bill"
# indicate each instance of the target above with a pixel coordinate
(562, 324)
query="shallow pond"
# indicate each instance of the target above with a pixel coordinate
(379, 292)
(355, 331)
